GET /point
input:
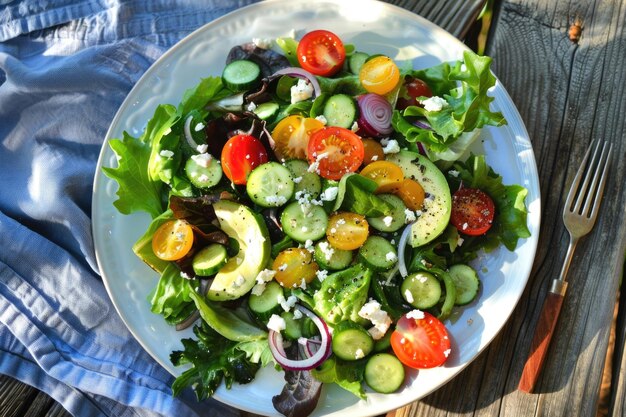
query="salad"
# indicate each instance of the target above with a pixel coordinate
(315, 208)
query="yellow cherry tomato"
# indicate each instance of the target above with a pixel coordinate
(291, 136)
(411, 193)
(379, 75)
(293, 266)
(386, 174)
(172, 240)
(373, 151)
(347, 231)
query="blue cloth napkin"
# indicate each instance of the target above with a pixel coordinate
(65, 67)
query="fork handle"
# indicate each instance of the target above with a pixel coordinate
(543, 335)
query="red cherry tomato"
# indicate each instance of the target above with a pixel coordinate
(335, 151)
(321, 53)
(240, 155)
(420, 342)
(472, 211)
(411, 90)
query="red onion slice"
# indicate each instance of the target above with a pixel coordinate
(187, 130)
(300, 73)
(276, 346)
(401, 247)
(374, 115)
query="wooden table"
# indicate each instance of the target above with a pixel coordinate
(568, 91)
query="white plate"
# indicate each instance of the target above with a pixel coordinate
(375, 28)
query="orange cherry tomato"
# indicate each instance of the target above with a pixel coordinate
(321, 53)
(240, 155)
(421, 342)
(411, 193)
(347, 231)
(379, 75)
(373, 151)
(172, 240)
(335, 151)
(291, 136)
(294, 265)
(386, 174)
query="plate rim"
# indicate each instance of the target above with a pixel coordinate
(154, 67)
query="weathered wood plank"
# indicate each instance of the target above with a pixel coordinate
(18, 399)
(455, 16)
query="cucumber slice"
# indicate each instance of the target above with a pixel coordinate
(264, 305)
(384, 373)
(304, 222)
(308, 182)
(270, 185)
(209, 260)
(266, 111)
(395, 220)
(466, 282)
(421, 289)
(331, 258)
(202, 171)
(383, 344)
(356, 61)
(241, 75)
(292, 331)
(340, 110)
(351, 341)
(378, 253)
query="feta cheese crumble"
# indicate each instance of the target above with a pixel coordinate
(434, 103)
(380, 319)
(203, 159)
(166, 153)
(408, 296)
(415, 314)
(303, 90)
(276, 323)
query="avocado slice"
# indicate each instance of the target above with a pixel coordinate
(438, 204)
(238, 275)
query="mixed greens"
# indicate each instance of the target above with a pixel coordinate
(303, 218)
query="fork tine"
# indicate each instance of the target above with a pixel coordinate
(588, 192)
(574, 191)
(604, 164)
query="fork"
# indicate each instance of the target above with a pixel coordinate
(579, 215)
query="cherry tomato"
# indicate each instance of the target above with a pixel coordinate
(420, 342)
(240, 155)
(472, 211)
(291, 136)
(347, 231)
(386, 174)
(294, 265)
(335, 151)
(411, 193)
(172, 240)
(379, 75)
(412, 89)
(373, 151)
(321, 53)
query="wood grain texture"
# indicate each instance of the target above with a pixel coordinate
(568, 94)
(541, 341)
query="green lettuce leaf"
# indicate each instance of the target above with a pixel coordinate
(464, 86)
(213, 358)
(148, 162)
(356, 194)
(136, 191)
(510, 222)
(226, 321)
(342, 294)
(171, 298)
(348, 375)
